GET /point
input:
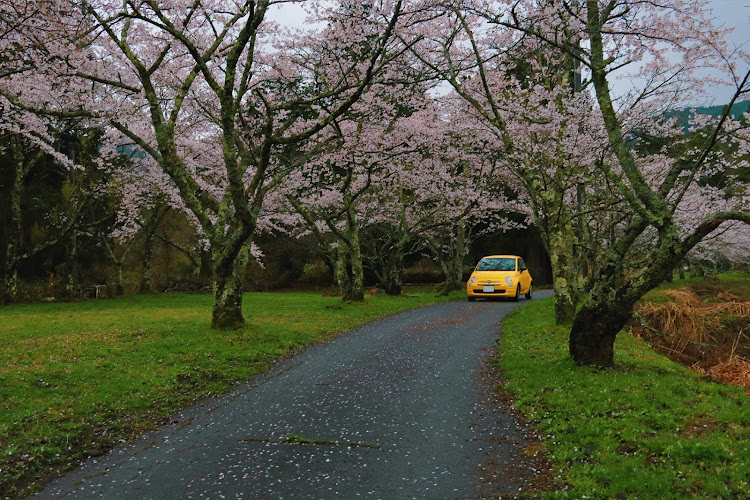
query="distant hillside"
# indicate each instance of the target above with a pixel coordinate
(683, 115)
(738, 109)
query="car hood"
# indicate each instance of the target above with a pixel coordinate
(494, 276)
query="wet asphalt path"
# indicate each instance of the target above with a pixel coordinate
(396, 409)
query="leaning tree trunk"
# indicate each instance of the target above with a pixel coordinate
(228, 287)
(607, 309)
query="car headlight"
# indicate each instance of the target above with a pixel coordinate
(508, 279)
(472, 279)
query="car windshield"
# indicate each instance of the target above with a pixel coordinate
(497, 264)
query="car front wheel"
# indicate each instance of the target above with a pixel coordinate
(529, 294)
(518, 293)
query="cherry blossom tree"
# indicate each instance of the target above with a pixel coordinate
(544, 132)
(469, 190)
(409, 176)
(344, 191)
(521, 67)
(665, 41)
(142, 204)
(226, 103)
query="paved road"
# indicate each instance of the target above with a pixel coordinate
(401, 408)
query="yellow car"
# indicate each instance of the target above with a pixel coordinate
(499, 276)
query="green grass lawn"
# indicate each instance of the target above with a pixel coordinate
(77, 378)
(647, 428)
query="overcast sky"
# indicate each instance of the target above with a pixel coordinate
(734, 14)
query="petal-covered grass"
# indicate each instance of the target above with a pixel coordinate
(77, 378)
(647, 428)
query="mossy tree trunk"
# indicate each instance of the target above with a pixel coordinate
(610, 304)
(565, 274)
(456, 270)
(350, 268)
(228, 287)
(343, 272)
(555, 221)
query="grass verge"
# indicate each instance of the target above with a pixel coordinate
(78, 378)
(647, 428)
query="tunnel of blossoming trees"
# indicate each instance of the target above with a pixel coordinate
(207, 146)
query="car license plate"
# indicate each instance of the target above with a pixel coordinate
(488, 289)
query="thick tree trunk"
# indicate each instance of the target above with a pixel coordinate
(610, 305)
(393, 272)
(228, 288)
(592, 336)
(350, 272)
(343, 275)
(350, 275)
